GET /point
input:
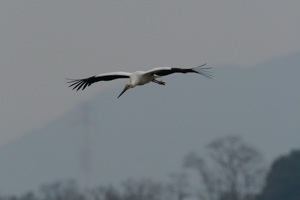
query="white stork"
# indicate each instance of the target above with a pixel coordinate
(138, 77)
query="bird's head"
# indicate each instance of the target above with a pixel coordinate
(127, 86)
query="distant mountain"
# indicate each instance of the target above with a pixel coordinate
(148, 131)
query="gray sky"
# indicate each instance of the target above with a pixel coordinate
(44, 42)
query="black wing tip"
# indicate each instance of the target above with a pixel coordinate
(203, 71)
(78, 84)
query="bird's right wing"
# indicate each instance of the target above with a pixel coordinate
(83, 83)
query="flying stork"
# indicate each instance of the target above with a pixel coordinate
(138, 77)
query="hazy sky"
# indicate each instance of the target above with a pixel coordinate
(44, 42)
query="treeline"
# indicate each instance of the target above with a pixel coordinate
(144, 189)
(232, 170)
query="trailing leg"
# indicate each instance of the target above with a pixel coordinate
(158, 82)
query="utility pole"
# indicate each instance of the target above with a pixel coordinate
(85, 160)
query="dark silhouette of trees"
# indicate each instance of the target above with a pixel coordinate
(283, 180)
(61, 191)
(26, 196)
(178, 187)
(144, 189)
(104, 193)
(234, 170)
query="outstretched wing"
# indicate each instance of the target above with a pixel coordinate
(83, 83)
(164, 71)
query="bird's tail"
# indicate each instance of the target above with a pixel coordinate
(203, 71)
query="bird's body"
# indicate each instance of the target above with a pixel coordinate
(138, 77)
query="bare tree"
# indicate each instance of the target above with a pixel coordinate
(178, 187)
(105, 193)
(144, 189)
(234, 171)
(67, 190)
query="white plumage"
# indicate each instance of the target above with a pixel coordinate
(138, 77)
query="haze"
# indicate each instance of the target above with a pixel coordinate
(44, 42)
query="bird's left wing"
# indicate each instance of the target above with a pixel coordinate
(164, 71)
(83, 83)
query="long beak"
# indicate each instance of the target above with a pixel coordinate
(124, 90)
